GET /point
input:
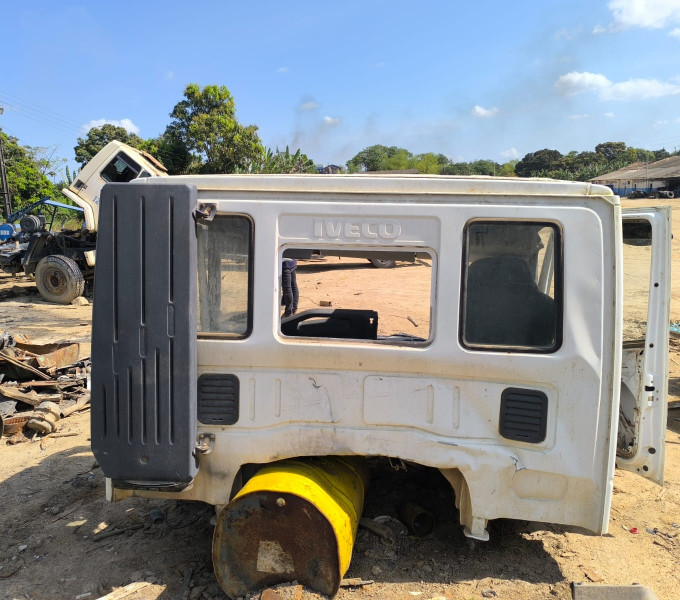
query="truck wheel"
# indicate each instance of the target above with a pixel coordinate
(59, 279)
(381, 263)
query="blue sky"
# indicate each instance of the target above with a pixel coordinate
(472, 80)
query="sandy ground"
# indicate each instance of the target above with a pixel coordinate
(52, 501)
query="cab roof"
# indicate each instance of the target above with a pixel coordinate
(417, 187)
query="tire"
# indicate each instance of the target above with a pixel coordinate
(382, 263)
(59, 279)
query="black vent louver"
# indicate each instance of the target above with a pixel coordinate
(218, 399)
(524, 415)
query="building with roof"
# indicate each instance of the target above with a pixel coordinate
(329, 169)
(663, 174)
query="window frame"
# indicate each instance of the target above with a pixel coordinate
(558, 286)
(130, 162)
(385, 250)
(222, 335)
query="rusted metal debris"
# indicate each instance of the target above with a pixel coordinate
(60, 354)
(40, 384)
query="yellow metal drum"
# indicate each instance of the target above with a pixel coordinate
(294, 520)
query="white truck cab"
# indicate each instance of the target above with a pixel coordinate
(526, 381)
(62, 261)
(116, 162)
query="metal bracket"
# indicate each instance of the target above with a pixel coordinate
(205, 444)
(206, 212)
(397, 464)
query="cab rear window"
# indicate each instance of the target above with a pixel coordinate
(225, 269)
(512, 286)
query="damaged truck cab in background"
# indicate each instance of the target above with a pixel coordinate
(62, 261)
(538, 361)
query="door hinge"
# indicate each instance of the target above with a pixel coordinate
(206, 212)
(205, 444)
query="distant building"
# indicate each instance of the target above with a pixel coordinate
(663, 174)
(329, 169)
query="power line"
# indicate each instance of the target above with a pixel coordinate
(35, 111)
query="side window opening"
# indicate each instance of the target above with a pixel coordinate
(344, 294)
(121, 169)
(512, 286)
(637, 266)
(225, 266)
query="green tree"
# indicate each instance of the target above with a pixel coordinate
(284, 162)
(461, 168)
(205, 122)
(171, 151)
(660, 154)
(508, 169)
(575, 161)
(539, 162)
(443, 160)
(26, 179)
(428, 163)
(98, 137)
(381, 158)
(611, 150)
(484, 167)
(398, 159)
(368, 159)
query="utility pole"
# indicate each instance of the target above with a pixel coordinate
(6, 200)
(647, 172)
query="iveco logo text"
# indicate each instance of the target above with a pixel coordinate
(335, 228)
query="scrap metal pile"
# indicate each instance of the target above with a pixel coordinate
(40, 384)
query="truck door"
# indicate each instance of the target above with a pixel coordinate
(144, 336)
(644, 370)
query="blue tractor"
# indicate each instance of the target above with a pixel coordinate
(55, 258)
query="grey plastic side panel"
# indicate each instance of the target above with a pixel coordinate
(586, 591)
(144, 333)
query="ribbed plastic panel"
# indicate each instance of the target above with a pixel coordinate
(524, 415)
(218, 399)
(144, 334)
(596, 591)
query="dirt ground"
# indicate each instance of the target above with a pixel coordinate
(52, 503)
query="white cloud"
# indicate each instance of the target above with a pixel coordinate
(126, 124)
(380, 64)
(675, 33)
(641, 89)
(282, 70)
(169, 75)
(331, 121)
(309, 105)
(580, 117)
(576, 83)
(633, 89)
(483, 113)
(648, 14)
(598, 29)
(510, 153)
(609, 115)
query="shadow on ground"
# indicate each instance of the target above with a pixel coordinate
(444, 556)
(56, 506)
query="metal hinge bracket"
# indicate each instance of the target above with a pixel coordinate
(205, 444)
